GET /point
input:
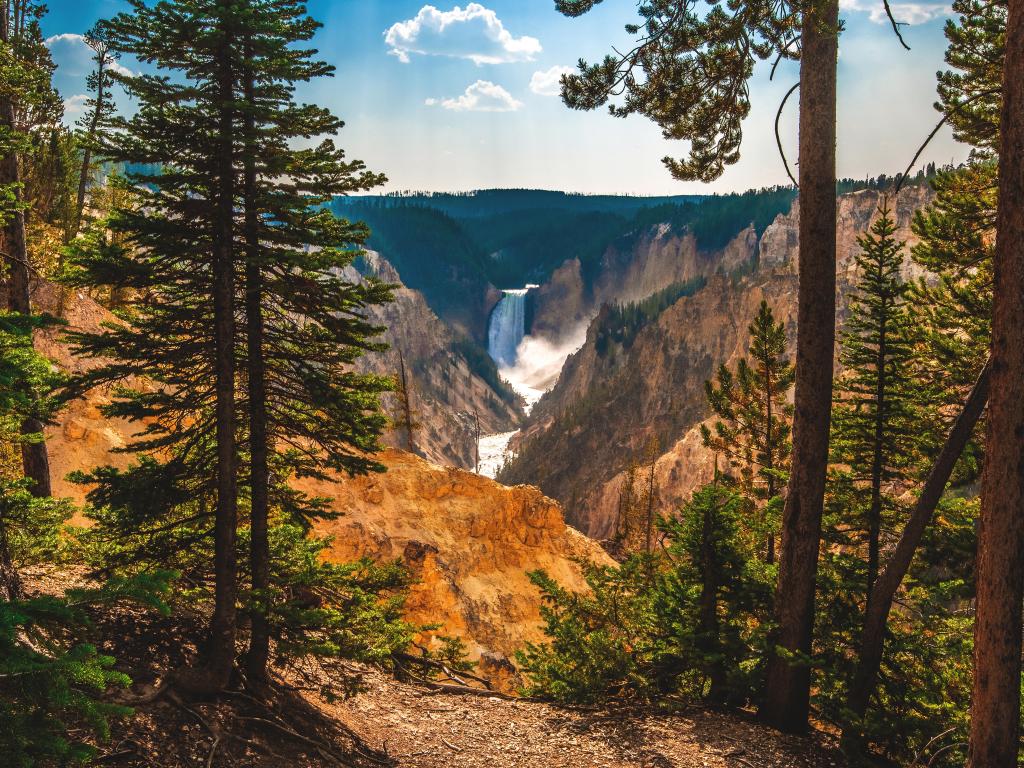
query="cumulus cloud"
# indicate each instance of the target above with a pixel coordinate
(545, 82)
(66, 37)
(481, 96)
(474, 32)
(75, 104)
(908, 13)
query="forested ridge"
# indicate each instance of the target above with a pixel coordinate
(847, 586)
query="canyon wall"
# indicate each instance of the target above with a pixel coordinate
(612, 404)
(448, 396)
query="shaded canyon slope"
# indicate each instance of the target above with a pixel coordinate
(616, 398)
(454, 387)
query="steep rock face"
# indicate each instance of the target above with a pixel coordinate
(448, 396)
(631, 270)
(468, 540)
(607, 409)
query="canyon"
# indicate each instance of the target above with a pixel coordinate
(616, 405)
(555, 407)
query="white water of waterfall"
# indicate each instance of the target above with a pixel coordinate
(507, 327)
(529, 364)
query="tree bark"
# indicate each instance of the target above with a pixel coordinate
(220, 654)
(888, 583)
(787, 696)
(34, 457)
(259, 448)
(999, 575)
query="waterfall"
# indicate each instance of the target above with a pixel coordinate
(507, 327)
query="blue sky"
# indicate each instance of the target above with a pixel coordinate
(458, 97)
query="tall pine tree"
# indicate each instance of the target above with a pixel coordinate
(308, 412)
(753, 427)
(874, 432)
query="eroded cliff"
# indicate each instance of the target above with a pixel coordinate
(613, 401)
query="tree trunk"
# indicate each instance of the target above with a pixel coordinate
(708, 605)
(999, 575)
(10, 579)
(221, 651)
(259, 470)
(34, 457)
(877, 467)
(769, 450)
(787, 696)
(888, 583)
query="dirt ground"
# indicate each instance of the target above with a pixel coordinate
(423, 729)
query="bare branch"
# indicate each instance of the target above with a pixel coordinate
(778, 138)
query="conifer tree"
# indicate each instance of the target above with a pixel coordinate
(689, 75)
(240, 217)
(874, 425)
(26, 99)
(307, 411)
(100, 109)
(995, 701)
(178, 248)
(753, 427)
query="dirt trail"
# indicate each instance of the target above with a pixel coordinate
(422, 729)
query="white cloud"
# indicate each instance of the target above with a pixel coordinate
(66, 37)
(908, 13)
(481, 96)
(545, 82)
(474, 32)
(73, 105)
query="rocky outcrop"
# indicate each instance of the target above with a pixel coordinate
(468, 541)
(606, 409)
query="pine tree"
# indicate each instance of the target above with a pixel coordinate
(689, 75)
(874, 419)
(995, 701)
(305, 323)
(100, 109)
(753, 427)
(270, 251)
(706, 536)
(178, 249)
(26, 99)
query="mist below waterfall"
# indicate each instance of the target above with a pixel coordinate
(538, 361)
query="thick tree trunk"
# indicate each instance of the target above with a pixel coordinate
(999, 575)
(34, 457)
(787, 696)
(888, 583)
(259, 469)
(223, 627)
